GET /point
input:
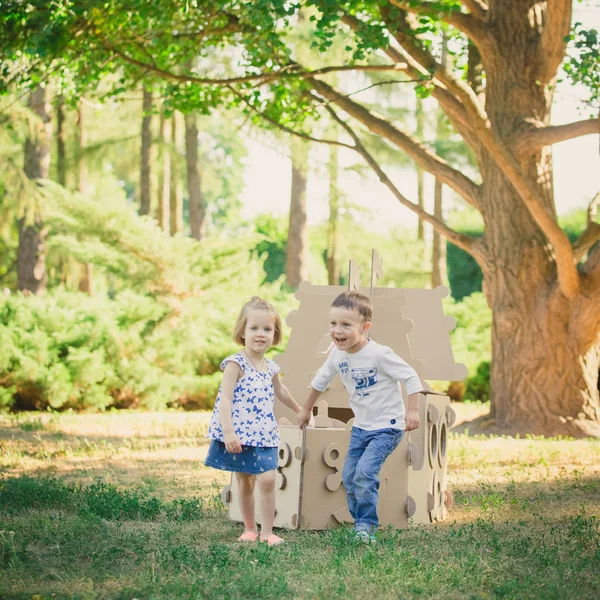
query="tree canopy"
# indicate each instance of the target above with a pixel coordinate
(497, 93)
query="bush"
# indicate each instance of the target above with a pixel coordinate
(200, 394)
(478, 386)
(472, 337)
(67, 350)
(464, 274)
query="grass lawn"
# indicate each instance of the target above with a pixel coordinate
(119, 505)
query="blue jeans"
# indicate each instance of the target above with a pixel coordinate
(366, 454)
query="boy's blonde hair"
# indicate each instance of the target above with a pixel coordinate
(353, 300)
(256, 303)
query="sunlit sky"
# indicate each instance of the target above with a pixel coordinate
(267, 175)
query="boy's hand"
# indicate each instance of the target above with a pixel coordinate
(232, 443)
(412, 420)
(304, 417)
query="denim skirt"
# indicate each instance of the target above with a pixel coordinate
(252, 459)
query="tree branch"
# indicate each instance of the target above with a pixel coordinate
(420, 154)
(233, 26)
(299, 134)
(454, 110)
(467, 243)
(553, 44)
(545, 136)
(592, 232)
(585, 241)
(259, 78)
(468, 24)
(591, 267)
(477, 8)
(506, 162)
(460, 89)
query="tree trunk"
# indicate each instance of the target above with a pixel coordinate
(146, 154)
(297, 244)
(164, 186)
(196, 202)
(176, 191)
(438, 251)
(333, 270)
(61, 155)
(82, 170)
(420, 172)
(475, 71)
(31, 257)
(544, 370)
(86, 276)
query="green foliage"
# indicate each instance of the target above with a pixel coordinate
(582, 64)
(478, 385)
(404, 257)
(273, 247)
(99, 499)
(472, 337)
(464, 274)
(67, 350)
(149, 347)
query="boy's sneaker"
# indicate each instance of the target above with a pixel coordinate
(365, 537)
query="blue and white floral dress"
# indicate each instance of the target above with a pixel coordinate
(253, 421)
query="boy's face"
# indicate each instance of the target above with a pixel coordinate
(347, 329)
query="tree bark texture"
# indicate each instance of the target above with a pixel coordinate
(164, 180)
(86, 278)
(31, 255)
(297, 244)
(438, 249)
(82, 170)
(332, 264)
(420, 172)
(546, 328)
(146, 154)
(545, 348)
(61, 154)
(194, 183)
(175, 190)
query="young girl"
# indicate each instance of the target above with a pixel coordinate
(244, 433)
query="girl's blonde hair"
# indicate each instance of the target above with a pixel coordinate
(256, 303)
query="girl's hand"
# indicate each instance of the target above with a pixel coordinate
(232, 443)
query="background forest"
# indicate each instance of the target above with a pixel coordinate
(126, 245)
(141, 291)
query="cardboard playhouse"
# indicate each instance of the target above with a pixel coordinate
(309, 489)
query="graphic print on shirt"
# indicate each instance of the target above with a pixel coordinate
(364, 379)
(344, 366)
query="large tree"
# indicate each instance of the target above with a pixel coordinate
(546, 325)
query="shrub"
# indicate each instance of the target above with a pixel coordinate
(67, 350)
(472, 337)
(477, 387)
(200, 393)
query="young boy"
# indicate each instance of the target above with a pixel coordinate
(371, 373)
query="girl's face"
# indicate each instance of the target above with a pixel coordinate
(259, 331)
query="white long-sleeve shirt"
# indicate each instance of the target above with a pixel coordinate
(372, 377)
